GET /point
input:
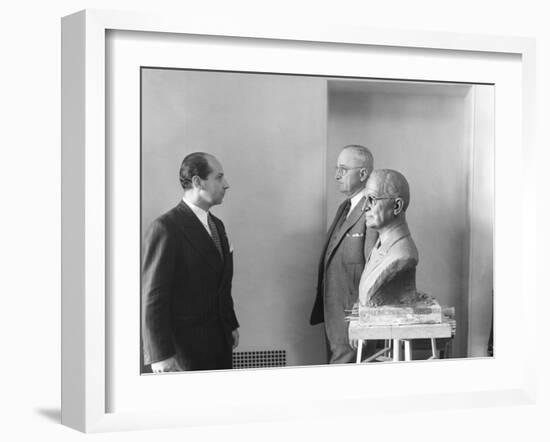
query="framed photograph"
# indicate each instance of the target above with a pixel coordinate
(275, 106)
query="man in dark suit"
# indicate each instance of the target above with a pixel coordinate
(343, 259)
(188, 319)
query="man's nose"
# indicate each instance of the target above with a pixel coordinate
(225, 184)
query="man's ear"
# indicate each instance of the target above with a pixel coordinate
(363, 174)
(196, 181)
(398, 206)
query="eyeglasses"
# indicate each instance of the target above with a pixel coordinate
(371, 200)
(342, 170)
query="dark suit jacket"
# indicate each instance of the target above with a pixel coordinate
(340, 268)
(187, 308)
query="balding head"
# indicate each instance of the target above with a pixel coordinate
(387, 193)
(353, 167)
(362, 155)
(390, 183)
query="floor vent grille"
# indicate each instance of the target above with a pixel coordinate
(259, 359)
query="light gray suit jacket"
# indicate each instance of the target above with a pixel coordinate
(340, 268)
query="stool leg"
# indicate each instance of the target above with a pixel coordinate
(434, 349)
(396, 350)
(359, 351)
(407, 349)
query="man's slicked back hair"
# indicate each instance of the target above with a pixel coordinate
(194, 164)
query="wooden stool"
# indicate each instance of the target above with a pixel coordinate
(394, 335)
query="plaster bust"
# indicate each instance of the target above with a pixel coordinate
(389, 276)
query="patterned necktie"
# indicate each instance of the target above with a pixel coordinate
(215, 235)
(344, 214)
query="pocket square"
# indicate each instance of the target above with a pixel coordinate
(355, 235)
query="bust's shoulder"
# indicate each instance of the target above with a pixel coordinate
(404, 249)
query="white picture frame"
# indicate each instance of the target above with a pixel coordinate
(85, 211)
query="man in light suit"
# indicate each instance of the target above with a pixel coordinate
(188, 319)
(389, 277)
(343, 258)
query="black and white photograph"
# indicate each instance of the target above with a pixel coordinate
(295, 220)
(275, 221)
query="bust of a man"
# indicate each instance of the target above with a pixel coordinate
(389, 276)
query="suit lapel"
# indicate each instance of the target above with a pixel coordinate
(197, 235)
(348, 224)
(336, 218)
(399, 233)
(324, 255)
(379, 251)
(353, 216)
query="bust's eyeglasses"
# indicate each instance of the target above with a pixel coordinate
(342, 170)
(371, 200)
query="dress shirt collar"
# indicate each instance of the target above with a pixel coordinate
(354, 200)
(201, 214)
(389, 237)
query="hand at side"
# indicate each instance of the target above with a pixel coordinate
(168, 365)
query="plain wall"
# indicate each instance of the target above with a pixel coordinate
(423, 131)
(269, 133)
(482, 199)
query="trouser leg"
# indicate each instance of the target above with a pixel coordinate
(341, 354)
